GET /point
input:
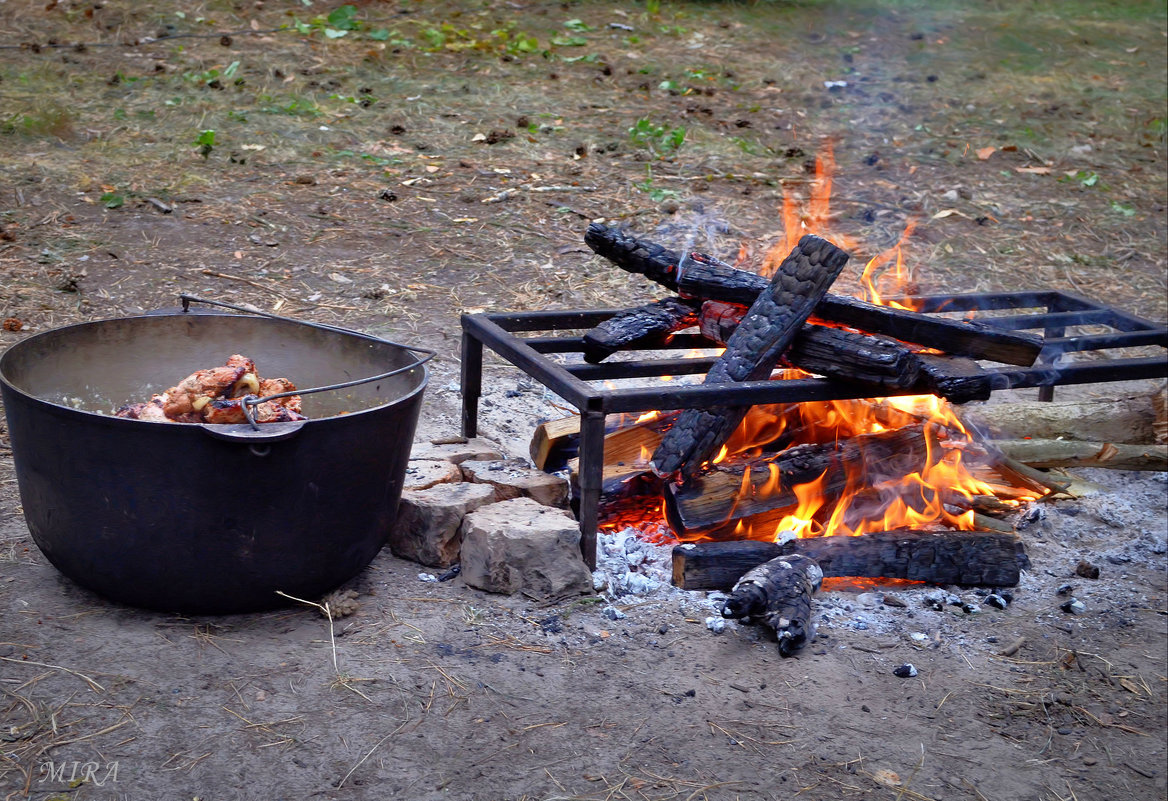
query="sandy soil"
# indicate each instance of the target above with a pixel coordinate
(312, 202)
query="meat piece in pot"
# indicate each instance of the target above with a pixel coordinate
(213, 396)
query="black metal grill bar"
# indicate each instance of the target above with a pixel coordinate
(546, 371)
(1127, 339)
(991, 301)
(1087, 373)
(1024, 322)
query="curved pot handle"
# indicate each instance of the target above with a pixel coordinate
(244, 433)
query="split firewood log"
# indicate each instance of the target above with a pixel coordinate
(752, 352)
(778, 594)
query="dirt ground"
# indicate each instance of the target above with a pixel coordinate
(389, 165)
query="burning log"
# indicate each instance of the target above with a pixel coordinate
(646, 325)
(634, 255)
(778, 594)
(754, 348)
(714, 503)
(708, 278)
(833, 352)
(972, 559)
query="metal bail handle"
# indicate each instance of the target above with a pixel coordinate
(249, 402)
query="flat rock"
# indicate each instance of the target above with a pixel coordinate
(521, 545)
(513, 478)
(428, 525)
(425, 473)
(459, 452)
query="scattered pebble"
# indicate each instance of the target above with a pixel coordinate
(427, 577)
(996, 601)
(1087, 570)
(970, 609)
(1064, 589)
(612, 613)
(1074, 606)
(716, 624)
(892, 600)
(919, 636)
(905, 671)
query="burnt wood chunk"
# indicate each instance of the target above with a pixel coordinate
(643, 326)
(778, 594)
(752, 352)
(833, 352)
(967, 558)
(954, 378)
(713, 503)
(711, 279)
(634, 255)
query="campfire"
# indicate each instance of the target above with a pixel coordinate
(824, 428)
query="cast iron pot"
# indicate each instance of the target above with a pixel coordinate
(207, 519)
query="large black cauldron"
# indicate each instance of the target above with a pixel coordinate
(200, 518)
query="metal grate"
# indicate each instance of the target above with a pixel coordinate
(529, 340)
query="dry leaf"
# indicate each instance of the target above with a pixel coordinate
(340, 279)
(944, 213)
(1033, 170)
(479, 137)
(1130, 686)
(984, 153)
(887, 778)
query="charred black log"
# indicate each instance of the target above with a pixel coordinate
(711, 279)
(643, 326)
(954, 378)
(761, 491)
(833, 352)
(967, 558)
(634, 255)
(752, 352)
(778, 594)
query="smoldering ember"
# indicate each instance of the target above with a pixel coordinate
(676, 401)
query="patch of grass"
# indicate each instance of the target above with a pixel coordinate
(51, 121)
(658, 139)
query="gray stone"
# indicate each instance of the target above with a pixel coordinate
(428, 525)
(425, 473)
(521, 545)
(459, 452)
(513, 478)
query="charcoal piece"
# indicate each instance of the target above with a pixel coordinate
(634, 255)
(905, 671)
(954, 378)
(778, 594)
(752, 352)
(640, 327)
(1087, 570)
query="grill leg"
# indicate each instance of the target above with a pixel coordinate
(1046, 393)
(591, 479)
(471, 384)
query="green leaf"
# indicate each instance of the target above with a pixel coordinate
(569, 41)
(379, 35)
(206, 138)
(343, 18)
(1126, 209)
(578, 25)
(231, 69)
(334, 34)
(113, 200)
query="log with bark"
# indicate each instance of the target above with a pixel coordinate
(967, 558)
(1047, 453)
(1114, 419)
(710, 279)
(640, 327)
(778, 594)
(833, 352)
(714, 503)
(752, 352)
